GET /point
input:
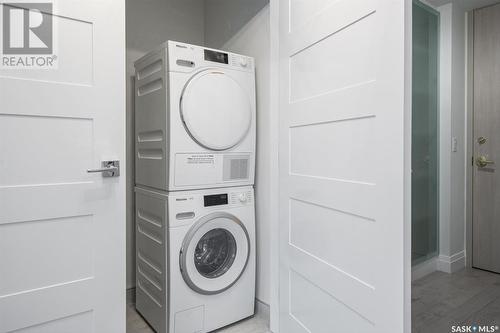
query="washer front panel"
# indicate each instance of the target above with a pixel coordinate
(232, 261)
(215, 110)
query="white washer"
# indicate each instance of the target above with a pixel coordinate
(195, 258)
(195, 118)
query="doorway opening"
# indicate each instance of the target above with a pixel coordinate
(455, 197)
(241, 31)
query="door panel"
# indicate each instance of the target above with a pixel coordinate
(62, 230)
(486, 186)
(341, 166)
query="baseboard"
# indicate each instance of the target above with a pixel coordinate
(262, 309)
(130, 293)
(424, 268)
(451, 264)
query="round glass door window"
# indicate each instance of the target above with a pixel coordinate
(214, 253)
(215, 110)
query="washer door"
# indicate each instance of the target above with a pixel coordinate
(215, 109)
(214, 253)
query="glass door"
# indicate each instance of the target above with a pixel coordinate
(425, 134)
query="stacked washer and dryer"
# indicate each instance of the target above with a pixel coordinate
(194, 173)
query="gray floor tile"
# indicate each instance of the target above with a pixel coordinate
(468, 297)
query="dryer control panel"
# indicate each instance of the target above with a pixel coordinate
(186, 58)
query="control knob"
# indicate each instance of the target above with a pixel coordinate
(242, 197)
(243, 62)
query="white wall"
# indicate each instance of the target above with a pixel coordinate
(149, 23)
(253, 39)
(225, 18)
(452, 126)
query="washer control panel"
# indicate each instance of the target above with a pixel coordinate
(188, 206)
(215, 200)
(236, 198)
(241, 198)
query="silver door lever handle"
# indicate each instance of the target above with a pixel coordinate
(106, 169)
(109, 169)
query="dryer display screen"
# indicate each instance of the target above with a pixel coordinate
(215, 200)
(216, 57)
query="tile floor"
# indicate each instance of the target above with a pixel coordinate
(468, 297)
(257, 324)
(439, 301)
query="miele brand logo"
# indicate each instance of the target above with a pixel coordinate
(183, 199)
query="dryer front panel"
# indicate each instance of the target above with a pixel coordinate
(212, 128)
(214, 253)
(215, 110)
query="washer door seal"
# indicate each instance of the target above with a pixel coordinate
(214, 253)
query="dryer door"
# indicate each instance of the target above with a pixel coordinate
(215, 110)
(214, 253)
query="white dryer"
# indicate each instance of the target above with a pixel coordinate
(195, 258)
(194, 118)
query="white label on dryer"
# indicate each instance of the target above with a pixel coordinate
(200, 159)
(197, 169)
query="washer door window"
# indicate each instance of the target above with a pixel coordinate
(214, 253)
(216, 110)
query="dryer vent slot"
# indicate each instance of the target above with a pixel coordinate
(149, 70)
(235, 168)
(150, 87)
(151, 136)
(150, 154)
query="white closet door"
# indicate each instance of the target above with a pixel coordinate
(62, 230)
(342, 165)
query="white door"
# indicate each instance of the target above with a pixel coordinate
(62, 230)
(342, 167)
